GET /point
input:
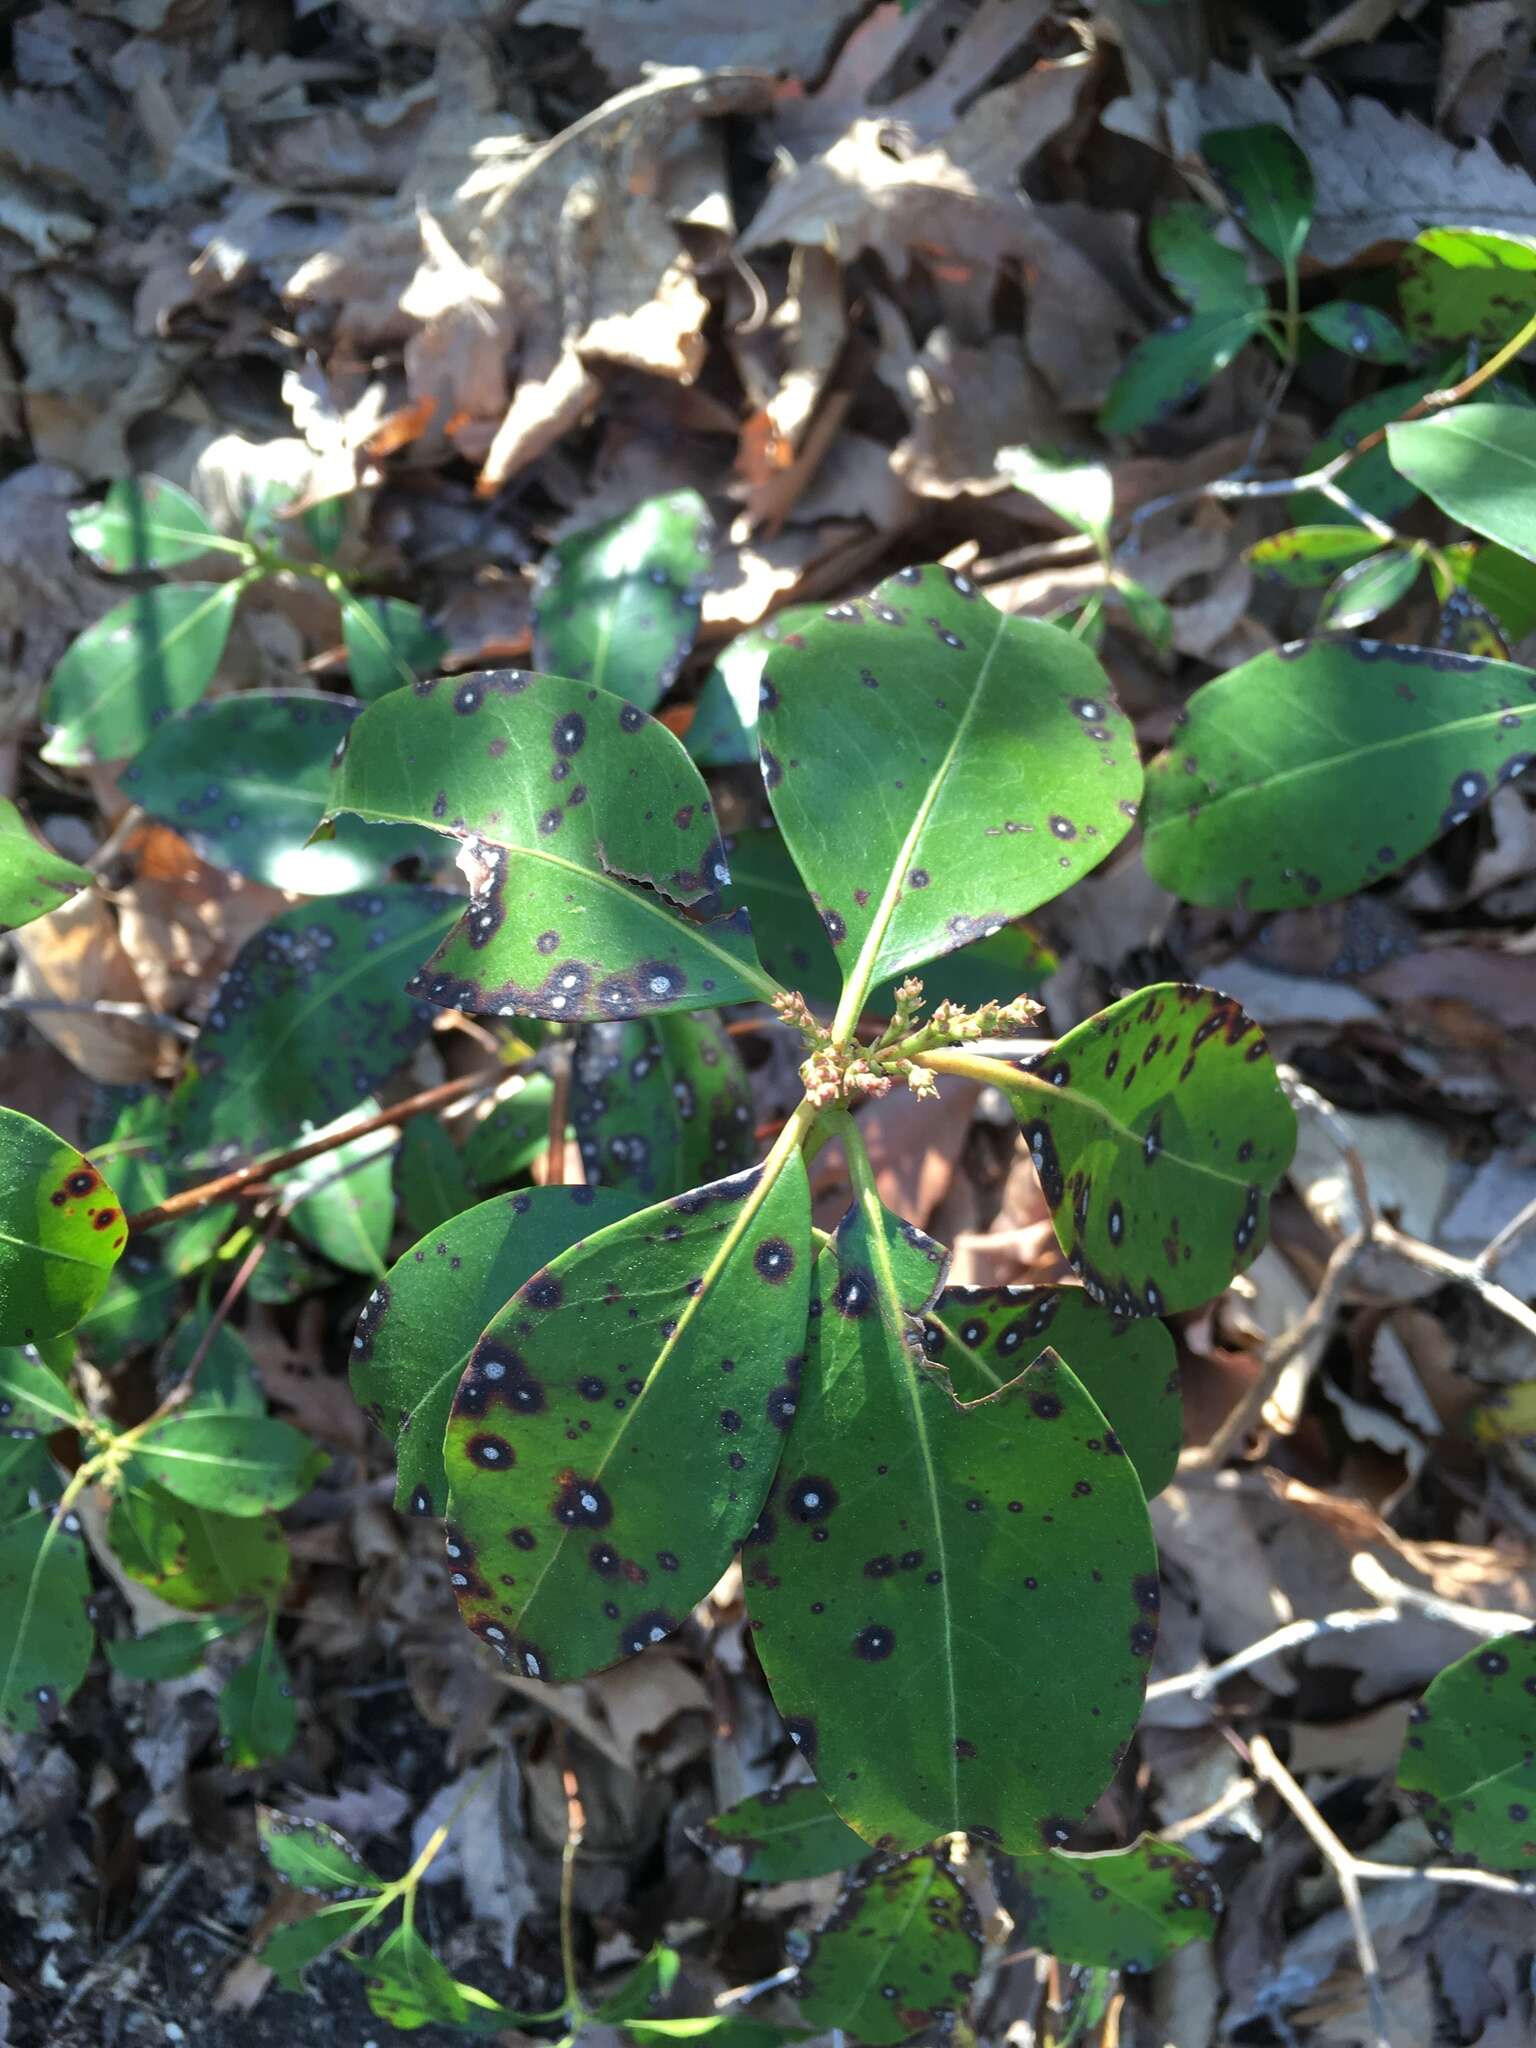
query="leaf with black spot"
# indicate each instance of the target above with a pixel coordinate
(310, 1017)
(244, 780)
(1469, 1758)
(992, 768)
(61, 1231)
(1121, 1909)
(898, 1954)
(618, 604)
(985, 1336)
(723, 733)
(46, 1630)
(565, 798)
(1168, 369)
(1267, 181)
(660, 1104)
(312, 1857)
(1311, 772)
(417, 1329)
(1158, 1138)
(773, 1837)
(972, 1580)
(619, 1422)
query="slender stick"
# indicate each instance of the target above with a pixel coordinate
(575, 1830)
(242, 1177)
(559, 1110)
(128, 1013)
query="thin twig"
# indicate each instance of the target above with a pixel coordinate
(575, 1830)
(127, 1013)
(243, 1177)
(1471, 1273)
(559, 1111)
(244, 1273)
(1478, 1621)
(1204, 1681)
(159, 1899)
(1269, 1769)
(1503, 1241)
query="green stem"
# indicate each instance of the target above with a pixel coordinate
(978, 1066)
(1292, 326)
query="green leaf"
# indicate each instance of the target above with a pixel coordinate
(1207, 275)
(28, 1476)
(644, 1988)
(1367, 589)
(1171, 367)
(539, 777)
(173, 1650)
(409, 1988)
(33, 1399)
(661, 1104)
(1157, 1143)
(134, 1308)
(1311, 772)
(310, 1017)
(145, 523)
(326, 525)
(1455, 282)
(235, 1464)
(193, 1557)
(432, 1176)
(1310, 557)
(724, 729)
(1469, 1763)
(389, 644)
(348, 1211)
(61, 1230)
(1359, 330)
(994, 768)
(417, 1330)
(796, 950)
(1506, 585)
(46, 1630)
(312, 1857)
(669, 1342)
(1149, 615)
(919, 1562)
(257, 1717)
(33, 878)
(899, 1953)
(227, 1382)
(1267, 181)
(1478, 464)
(513, 1133)
(618, 604)
(132, 1146)
(1371, 482)
(151, 655)
(985, 1336)
(270, 752)
(791, 1832)
(1080, 493)
(1122, 1909)
(290, 1951)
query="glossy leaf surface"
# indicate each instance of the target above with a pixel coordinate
(193, 1557)
(985, 1336)
(152, 655)
(257, 1717)
(244, 779)
(796, 950)
(1267, 181)
(1469, 1758)
(312, 1857)
(144, 523)
(897, 1955)
(431, 1175)
(1082, 494)
(1207, 275)
(61, 1230)
(408, 1987)
(793, 1831)
(1367, 589)
(920, 1564)
(1454, 282)
(33, 878)
(995, 768)
(1174, 365)
(618, 605)
(389, 644)
(347, 1212)
(514, 1132)
(1310, 557)
(1478, 463)
(661, 1104)
(668, 1343)
(1359, 330)
(417, 1330)
(1157, 1143)
(724, 729)
(174, 1649)
(564, 797)
(290, 1950)
(310, 1017)
(33, 1398)
(1311, 772)
(1506, 584)
(1124, 1909)
(232, 1463)
(46, 1643)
